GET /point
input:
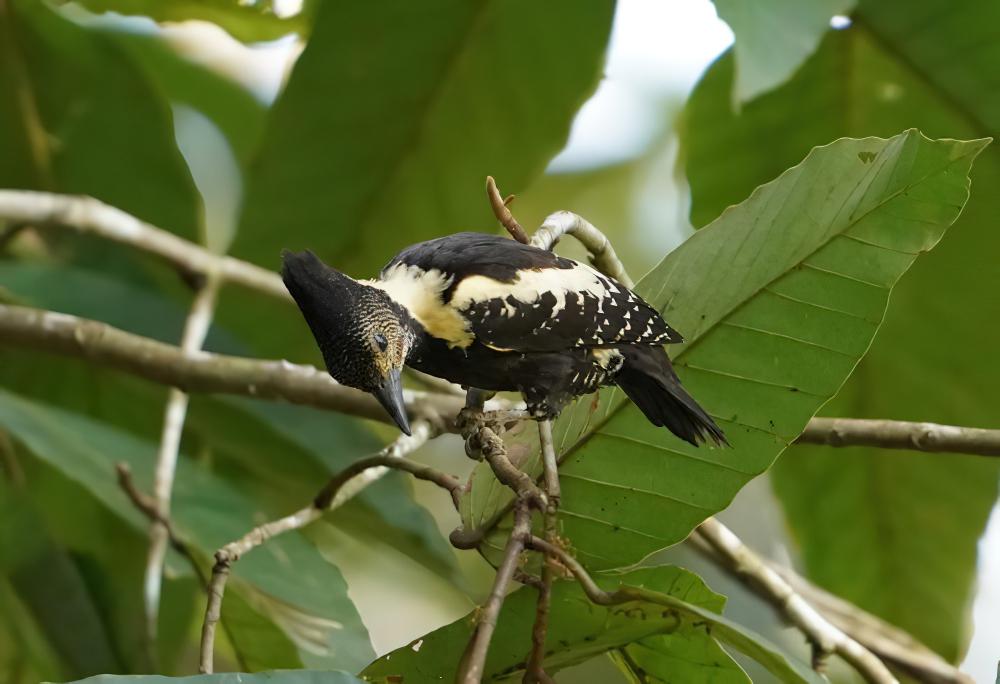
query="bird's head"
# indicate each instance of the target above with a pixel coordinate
(362, 333)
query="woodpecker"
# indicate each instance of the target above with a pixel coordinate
(487, 312)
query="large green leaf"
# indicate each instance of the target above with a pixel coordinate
(679, 606)
(370, 148)
(778, 300)
(773, 38)
(286, 579)
(855, 511)
(77, 116)
(276, 677)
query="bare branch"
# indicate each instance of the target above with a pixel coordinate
(602, 254)
(88, 215)
(890, 643)
(196, 327)
(500, 210)
(535, 671)
(206, 372)
(470, 668)
(340, 489)
(898, 434)
(825, 638)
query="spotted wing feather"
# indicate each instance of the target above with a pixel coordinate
(518, 297)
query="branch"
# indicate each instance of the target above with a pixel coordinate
(535, 671)
(825, 638)
(602, 254)
(890, 643)
(333, 495)
(207, 372)
(90, 216)
(470, 668)
(500, 210)
(898, 434)
(196, 327)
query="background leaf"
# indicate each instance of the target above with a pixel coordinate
(856, 512)
(778, 300)
(246, 21)
(77, 116)
(483, 88)
(773, 38)
(286, 579)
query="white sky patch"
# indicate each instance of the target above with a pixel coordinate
(839, 22)
(658, 50)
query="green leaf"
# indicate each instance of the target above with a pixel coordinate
(483, 87)
(286, 579)
(898, 65)
(51, 587)
(276, 677)
(250, 22)
(233, 109)
(677, 603)
(773, 38)
(77, 116)
(778, 300)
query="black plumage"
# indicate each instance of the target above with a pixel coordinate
(487, 312)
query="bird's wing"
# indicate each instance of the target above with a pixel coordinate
(516, 297)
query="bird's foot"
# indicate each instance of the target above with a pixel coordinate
(471, 420)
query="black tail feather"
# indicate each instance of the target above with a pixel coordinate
(650, 382)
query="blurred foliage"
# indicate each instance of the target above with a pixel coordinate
(381, 136)
(882, 528)
(773, 38)
(431, 113)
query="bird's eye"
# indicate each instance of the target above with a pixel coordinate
(382, 343)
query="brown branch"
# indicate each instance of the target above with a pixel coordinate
(206, 372)
(898, 434)
(147, 505)
(502, 213)
(334, 494)
(90, 216)
(470, 668)
(535, 671)
(890, 643)
(825, 638)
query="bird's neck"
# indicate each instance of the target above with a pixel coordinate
(420, 294)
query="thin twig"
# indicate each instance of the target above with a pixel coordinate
(535, 670)
(88, 215)
(196, 327)
(602, 254)
(470, 668)
(898, 434)
(824, 637)
(341, 488)
(502, 213)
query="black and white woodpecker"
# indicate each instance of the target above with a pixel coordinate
(497, 315)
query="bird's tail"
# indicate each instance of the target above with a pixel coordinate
(650, 382)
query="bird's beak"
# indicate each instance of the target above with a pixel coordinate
(390, 395)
